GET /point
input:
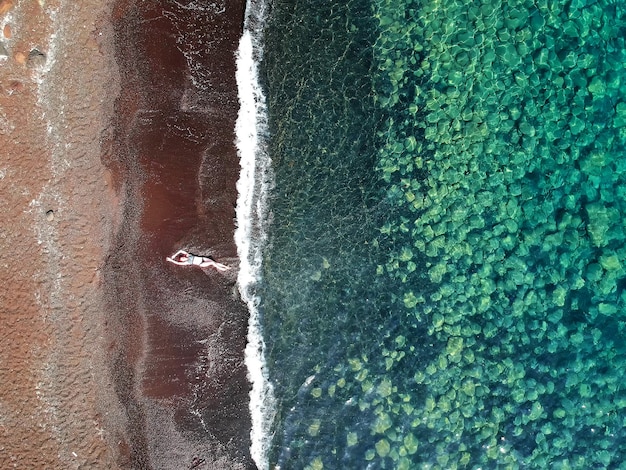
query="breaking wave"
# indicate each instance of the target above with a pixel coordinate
(252, 213)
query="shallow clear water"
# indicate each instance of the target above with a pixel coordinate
(443, 280)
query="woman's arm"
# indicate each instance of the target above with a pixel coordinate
(179, 252)
(173, 259)
(179, 263)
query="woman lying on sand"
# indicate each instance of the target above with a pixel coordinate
(182, 258)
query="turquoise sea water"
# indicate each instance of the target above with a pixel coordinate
(443, 282)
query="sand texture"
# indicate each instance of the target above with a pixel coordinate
(57, 207)
(116, 149)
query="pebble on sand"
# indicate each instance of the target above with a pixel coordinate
(36, 58)
(50, 215)
(6, 31)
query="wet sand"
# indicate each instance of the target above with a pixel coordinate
(116, 154)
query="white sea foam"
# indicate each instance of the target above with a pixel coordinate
(254, 184)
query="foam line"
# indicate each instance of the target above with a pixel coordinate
(254, 185)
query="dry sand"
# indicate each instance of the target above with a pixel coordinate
(57, 211)
(107, 361)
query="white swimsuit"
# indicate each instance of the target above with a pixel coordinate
(195, 260)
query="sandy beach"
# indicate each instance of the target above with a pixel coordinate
(117, 129)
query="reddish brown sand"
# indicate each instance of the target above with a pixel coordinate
(57, 210)
(116, 138)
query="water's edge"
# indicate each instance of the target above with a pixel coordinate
(254, 184)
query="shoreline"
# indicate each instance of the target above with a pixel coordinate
(179, 332)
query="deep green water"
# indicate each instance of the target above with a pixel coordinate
(444, 281)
